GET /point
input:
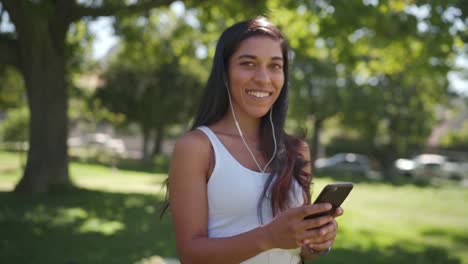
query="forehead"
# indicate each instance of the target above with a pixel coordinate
(259, 46)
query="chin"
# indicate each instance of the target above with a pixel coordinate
(259, 113)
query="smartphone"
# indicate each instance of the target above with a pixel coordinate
(335, 194)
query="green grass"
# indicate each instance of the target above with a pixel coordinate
(403, 224)
(114, 219)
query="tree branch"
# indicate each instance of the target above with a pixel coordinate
(63, 10)
(9, 50)
(2, 10)
(120, 9)
(13, 8)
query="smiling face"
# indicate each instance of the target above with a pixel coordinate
(256, 75)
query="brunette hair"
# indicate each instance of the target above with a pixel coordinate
(289, 163)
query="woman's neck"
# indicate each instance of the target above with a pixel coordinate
(250, 126)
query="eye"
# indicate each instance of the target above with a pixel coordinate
(277, 66)
(247, 63)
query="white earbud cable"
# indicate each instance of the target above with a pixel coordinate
(243, 139)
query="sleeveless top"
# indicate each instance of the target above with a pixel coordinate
(233, 194)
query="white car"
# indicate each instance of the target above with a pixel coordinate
(99, 142)
(432, 165)
(345, 164)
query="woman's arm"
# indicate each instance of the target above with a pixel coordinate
(188, 199)
(325, 235)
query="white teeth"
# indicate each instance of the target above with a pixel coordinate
(259, 94)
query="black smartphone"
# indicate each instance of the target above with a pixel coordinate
(335, 194)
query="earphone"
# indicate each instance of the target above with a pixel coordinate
(242, 135)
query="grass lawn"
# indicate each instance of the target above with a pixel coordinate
(114, 219)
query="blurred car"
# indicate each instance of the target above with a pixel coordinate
(345, 164)
(432, 165)
(405, 167)
(98, 142)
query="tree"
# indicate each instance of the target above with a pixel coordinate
(38, 49)
(399, 63)
(374, 64)
(155, 76)
(317, 78)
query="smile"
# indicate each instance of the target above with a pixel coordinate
(259, 94)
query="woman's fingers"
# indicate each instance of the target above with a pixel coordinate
(338, 212)
(316, 230)
(307, 210)
(321, 246)
(316, 222)
(288, 228)
(319, 235)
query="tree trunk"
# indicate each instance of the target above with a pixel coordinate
(158, 140)
(144, 144)
(42, 62)
(387, 161)
(318, 122)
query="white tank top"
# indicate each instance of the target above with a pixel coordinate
(233, 195)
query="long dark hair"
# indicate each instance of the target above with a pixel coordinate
(289, 163)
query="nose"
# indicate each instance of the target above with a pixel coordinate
(261, 76)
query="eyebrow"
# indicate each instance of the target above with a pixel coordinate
(248, 56)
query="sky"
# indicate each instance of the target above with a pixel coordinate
(104, 37)
(458, 84)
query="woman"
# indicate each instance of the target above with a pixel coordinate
(238, 184)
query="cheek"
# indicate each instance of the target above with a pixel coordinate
(278, 81)
(236, 76)
(241, 76)
(238, 80)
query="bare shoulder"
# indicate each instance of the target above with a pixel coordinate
(194, 140)
(193, 150)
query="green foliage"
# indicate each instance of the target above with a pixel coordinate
(87, 112)
(374, 64)
(457, 139)
(343, 144)
(154, 72)
(11, 88)
(15, 127)
(79, 47)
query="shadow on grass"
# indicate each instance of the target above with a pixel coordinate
(83, 226)
(459, 237)
(159, 164)
(390, 255)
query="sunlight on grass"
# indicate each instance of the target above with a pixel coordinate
(108, 179)
(386, 216)
(89, 176)
(383, 223)
(101, 226)
(9, 170)
(156, 260)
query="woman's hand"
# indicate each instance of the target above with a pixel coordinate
(324, 236)
(289, 229)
